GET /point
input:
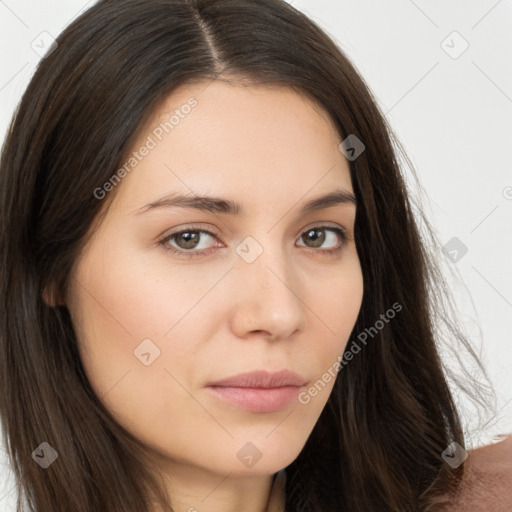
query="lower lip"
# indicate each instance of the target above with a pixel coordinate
(257, 399)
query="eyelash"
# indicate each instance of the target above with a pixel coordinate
(195, 253)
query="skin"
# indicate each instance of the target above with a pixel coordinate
(212, 316)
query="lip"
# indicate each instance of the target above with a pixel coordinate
(262, 379)
(259, 391)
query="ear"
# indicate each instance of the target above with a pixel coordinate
(51, 297)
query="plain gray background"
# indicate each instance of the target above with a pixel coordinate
(442, 73)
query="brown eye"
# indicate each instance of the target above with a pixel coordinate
(187, 242)
(186, 239)
(316, 237)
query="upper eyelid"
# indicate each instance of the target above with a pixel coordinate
(325, 224)
(211, 231)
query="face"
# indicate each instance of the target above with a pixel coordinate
(168, 298)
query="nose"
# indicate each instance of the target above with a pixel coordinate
(268, 298)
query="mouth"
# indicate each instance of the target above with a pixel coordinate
(259, 391)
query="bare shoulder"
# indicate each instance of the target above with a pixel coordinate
(487, 482)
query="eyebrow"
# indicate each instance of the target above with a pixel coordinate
(229, 207)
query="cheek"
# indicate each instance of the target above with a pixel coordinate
(337, 302)
(135, 312)
(140, 375)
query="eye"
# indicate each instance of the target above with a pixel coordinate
(188, 239)
(312, 236)
(187, 242)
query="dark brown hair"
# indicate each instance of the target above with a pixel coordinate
(378, 442)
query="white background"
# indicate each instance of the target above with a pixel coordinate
(453, 116)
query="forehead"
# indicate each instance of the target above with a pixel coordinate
(235, 140)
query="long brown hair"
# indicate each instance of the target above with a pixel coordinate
(378, 442)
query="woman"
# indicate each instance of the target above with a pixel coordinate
(215, 295)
